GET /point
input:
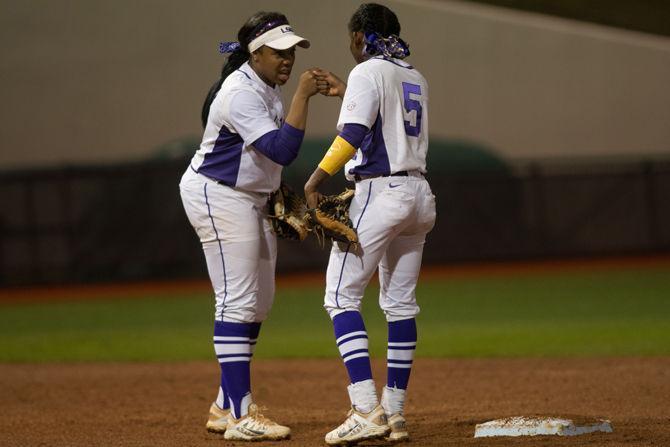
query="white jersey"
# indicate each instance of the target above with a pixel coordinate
(390, 97)
(245, 109)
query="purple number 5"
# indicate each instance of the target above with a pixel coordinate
(412, 104)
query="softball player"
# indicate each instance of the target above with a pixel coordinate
(224, 192)
(385, 115)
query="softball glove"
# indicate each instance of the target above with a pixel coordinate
(330, 218)
(287, 214)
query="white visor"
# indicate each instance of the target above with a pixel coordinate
(279, 38)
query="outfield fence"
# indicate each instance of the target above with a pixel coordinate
(126, 222)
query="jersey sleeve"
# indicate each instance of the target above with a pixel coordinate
(250, 117)
(361, 101)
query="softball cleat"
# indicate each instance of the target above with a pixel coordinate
(255, 427)
(398, 429)
(359, 427)
(217, 420)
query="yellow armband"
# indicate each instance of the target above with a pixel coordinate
(338, 155)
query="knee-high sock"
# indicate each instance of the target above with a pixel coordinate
(253, 336)
(232, 346)
(352, 341)
(253, 339)
(222, 398)
(400, 354)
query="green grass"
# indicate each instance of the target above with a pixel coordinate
(623, 313)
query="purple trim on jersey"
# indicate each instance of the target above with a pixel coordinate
(409, 67)
(281, 145)
(223, 263)
(244, 73)
(337, 290)
(375, 157)
(223, 162)
(354, 134)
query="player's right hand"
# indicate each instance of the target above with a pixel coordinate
(307, 84)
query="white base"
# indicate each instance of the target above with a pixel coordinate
(532, 426)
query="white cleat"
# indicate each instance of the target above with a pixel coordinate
(255, 427)
(360, 427)
(217, 420)
(398, 429)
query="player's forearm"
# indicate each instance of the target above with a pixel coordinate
(318, 177)
(337, 86)
(312, 195)
(297, 114)
(342, 90)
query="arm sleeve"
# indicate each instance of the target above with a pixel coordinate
(282, 145)
(354, 134)
(361, 101)
(249, 116)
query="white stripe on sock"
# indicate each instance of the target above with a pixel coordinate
(400, 354)
(353, 345)
(350, 334)
(231, 349)
(233, 359)
(355, 356)
(224, 338)
(399, 365)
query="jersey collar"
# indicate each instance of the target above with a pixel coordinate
(398, 62)
(262, 86)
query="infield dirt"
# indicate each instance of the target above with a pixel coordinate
(165, 404)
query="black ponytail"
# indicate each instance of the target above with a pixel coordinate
(234, 61)
(253, 28)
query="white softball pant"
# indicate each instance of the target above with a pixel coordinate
(392, 216)
(239, 245)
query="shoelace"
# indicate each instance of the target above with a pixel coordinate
(258, 417)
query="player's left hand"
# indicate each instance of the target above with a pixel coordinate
(312, 197)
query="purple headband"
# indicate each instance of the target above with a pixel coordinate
(391, 46)
(262, 28)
